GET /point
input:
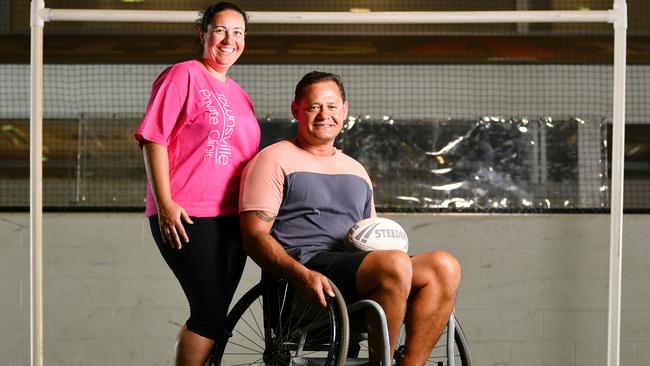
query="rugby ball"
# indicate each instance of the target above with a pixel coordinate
(377, 233)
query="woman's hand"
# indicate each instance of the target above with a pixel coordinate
(170, 214)
(170, 218)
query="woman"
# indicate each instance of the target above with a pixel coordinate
(197, 134)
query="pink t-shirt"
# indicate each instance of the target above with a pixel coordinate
(210, 132)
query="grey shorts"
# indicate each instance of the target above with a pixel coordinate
(341, 268)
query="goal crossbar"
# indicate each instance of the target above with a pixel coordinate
(387, 17)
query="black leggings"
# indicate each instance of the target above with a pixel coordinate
(208, 268)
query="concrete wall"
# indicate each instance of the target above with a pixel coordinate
(534, 290)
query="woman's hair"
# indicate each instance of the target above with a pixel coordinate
(317, 77)
(205, 18)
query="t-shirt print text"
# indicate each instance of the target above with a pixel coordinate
(222, 122)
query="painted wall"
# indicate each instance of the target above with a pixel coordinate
(534, 288)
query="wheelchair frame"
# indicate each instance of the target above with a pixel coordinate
(272, 325)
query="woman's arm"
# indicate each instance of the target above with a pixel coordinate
(170, 214)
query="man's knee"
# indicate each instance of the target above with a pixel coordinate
(444, 269)
(447, 265)
(388, 271)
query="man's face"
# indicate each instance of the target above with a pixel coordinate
(320, 113)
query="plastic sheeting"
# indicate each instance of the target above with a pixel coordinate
(481, 165)
(488, 164)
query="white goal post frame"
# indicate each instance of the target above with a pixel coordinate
(616, 16)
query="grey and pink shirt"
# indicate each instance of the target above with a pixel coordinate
(315, 199)
(210, 132)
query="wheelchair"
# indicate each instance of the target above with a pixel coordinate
(272, 325)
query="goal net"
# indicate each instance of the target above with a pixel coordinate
(446, 117)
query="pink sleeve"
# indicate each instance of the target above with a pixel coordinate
(162, 113)
(262, 185)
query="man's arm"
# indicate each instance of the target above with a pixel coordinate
(271, 256)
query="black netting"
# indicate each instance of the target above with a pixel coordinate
(475, 117)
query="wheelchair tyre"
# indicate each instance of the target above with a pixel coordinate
(438, 355)
(462, 345)
(272, 325)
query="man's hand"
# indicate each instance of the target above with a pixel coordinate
(314, 287)
(270, 255)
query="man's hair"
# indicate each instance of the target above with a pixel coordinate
(317, 77)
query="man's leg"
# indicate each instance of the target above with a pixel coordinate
(385, 277)
(436, 277)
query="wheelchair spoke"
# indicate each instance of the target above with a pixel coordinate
(309, 324)
(257, 324)
(258, 362)
(260, 347)
(291, 320)
(272, 325)
(282, 301)
(256, 330)
(359, 349)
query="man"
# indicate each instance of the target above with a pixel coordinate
(297, 201)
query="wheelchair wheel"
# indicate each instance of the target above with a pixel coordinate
(462, 346)
(438, 357)
(271, 325)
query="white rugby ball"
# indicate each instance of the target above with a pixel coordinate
(377, 233)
